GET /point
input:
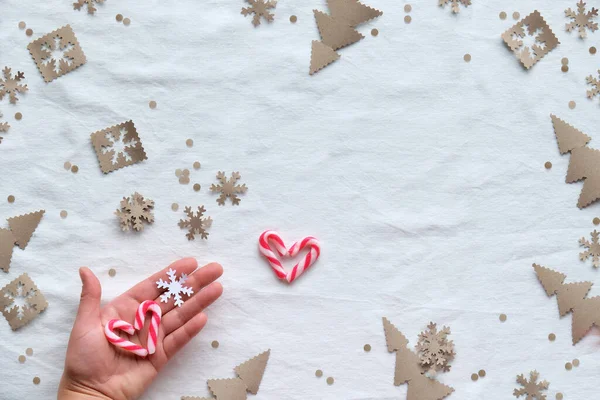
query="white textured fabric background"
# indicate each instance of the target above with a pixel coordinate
(422, 175)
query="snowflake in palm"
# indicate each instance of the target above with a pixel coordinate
(11, 85)
(57, 54)
(174, 288)
(593, 249)
(195, 223)
(455, 4)
(228, 188)
(581, 19)
(90, 5)
(532, 388)
(435, 350)
(260, 8)
(134, 211)
(3, 127)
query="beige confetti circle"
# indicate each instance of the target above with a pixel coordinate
(112, 272)
(29, 32)
(548, 165)
(318, 373)
(178, 172)
(196, 187)
(516, 15)
(552, 337)
(11, 199)
(596, 221)
(74, 169)
(568, 366)
(119, 17)
(474, 377)
(330, 381)
(374, 32)
(67, 165)
(174, 206)
(407, 8)
(63, 214)
(502, 15)
(564, 68)
(407, 19)
(559, 396)
(22, 358)
(197, 165)
(36, 381)
(18, 116)
(22, 25)
(152, 104)
(576, 362)
(126, 21)
(572, 104)
(592, 50)
(215, 344)
(29, 351)
(184, 180)
(186, 172)
(564, 61)
(367, 347)
(467, 57)
(502, 318)
(293, 19)
(481, 373)
(189, 143)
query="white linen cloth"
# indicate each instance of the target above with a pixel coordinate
(422, 175)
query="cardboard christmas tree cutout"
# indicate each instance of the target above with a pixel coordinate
(352, 12)
(321, 56)
(585, 164)
(251, 372)
(568, 137)
(335, 34)
(23, 227)
(7, 244)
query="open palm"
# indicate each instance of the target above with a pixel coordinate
(94, 368)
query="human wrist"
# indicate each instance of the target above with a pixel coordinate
(68, 390)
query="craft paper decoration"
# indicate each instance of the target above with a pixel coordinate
(595, 83)
(134, 211)
(228, 389)
(4, 126)
(252, 371)
(11, 85)
(531, 388)
(454, 4)
(196, 224)
(581, 19)
(352, 12)
(535, 26)
(118, 146)
(321, 56)
(335, 34)
(593, 249)
(585, 164)
(174, 288)
(435, 350)
(260, 8)
(32, 302)
(228, 188)
(408, 368)
(78, 5)
(568, 137)
(44, 52)
(7, 244)
(571, 297)
(23, 226)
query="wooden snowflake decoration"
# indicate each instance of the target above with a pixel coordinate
(228, 188)
(3, 127)
(593, 249)
(78, 5)
(435, 350)
(134, 211)
(454, 4)
(260, 8)
(195, 223)
(11, 85)
(531, 388)
(581, 19)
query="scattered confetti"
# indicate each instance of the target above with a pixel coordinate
(197, 165)
(481, 373)
(189, 143)
(29, 351)
(564, 68)
(564, 61)
(126, 21)
(293, 19)
(197, 187)
(531, 388)
(548, 165)
(407, 19)
(474, 377)
(112, 272)
(581, 19)
(516, 15)
(559, 396)
(596, 221)
(374, 32)
(228, 188)
(195, 223)
(318, 373)
(22, 25)
(215, 344)
(11, 85)
(67, 165)
(502, 15)
(74, 169)
(134, 211)
(36, 380)
(18, 116)
(119, 17)
(455, 4)
(22, 359)
(330, 381)
(407, 8)
(29, 32)
(502, 318)
(572, 104)
(367, 347)
(63, 214)
(260, 8)
(467, 58)
(174, 206)
(184, 176)
(592, 50)
(576, 363)
(568, 366)
(152, 104)
(11, 199)
(552, 337)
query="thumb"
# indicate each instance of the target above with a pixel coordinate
(91, 292)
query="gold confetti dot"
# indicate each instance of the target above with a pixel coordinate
(407, 19)
(564, 68)
(318, 373)
(197, 165)
(196, 187)
(502, 317)
(596, 221)
(407, 8)
(36, 381)
(126, 21)
(215, 344)
(22, 358)
(67, 165)
(568, 366)
(112, 272)
(576, 362)
(474, 377)
(502, 15)
(552, 337)
(119, 17)
(186, 172)
(189, 143)
(559, 396)
(178, 172)
(152, 104)
(22, 25)
(564, 61)
(572, 104)
(481, 373)
(18, 116)
(293, 19)
(29, 351)
(548, 165)
(330, 381)
(29, 32)
(516, 15)
(11, 199)
(467, 57)
(174, 206)
(374, 32)
(63, 214)
(184, 180)
(592, 50)
(367, 347)
(74, 169)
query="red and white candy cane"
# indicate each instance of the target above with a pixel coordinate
(140, 318)
(118, 341)
(268, 237)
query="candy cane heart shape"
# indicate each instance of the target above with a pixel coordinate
(270, 237)
(140, 318)
(118, 341)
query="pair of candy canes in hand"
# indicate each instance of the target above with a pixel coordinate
(140, 319)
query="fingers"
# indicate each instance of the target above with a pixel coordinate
(176, 340)
(91, 292)
(147, 289)
(180, 316)
(199, 279)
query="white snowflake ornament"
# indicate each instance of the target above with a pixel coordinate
(174, 288)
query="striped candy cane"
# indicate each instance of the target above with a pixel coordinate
(268, 237)
(120, 342)
(140, 318)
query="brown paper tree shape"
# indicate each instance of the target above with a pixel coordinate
(23, 226)
(4, 126)
(584, 164)
(531, 388)
(134, 211)
(571, 297)
(260, 8)
(195, 223)
(567, 136)
(228, 188)
(454, 4)
(593, 249)
(335, 33)
(321, 56)
(11, 85)
(7, 245)
(31, 302)
(250, 374)
(581, 19)
(91, 9)
(408, 368)
(352, 12)
(435, 350)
